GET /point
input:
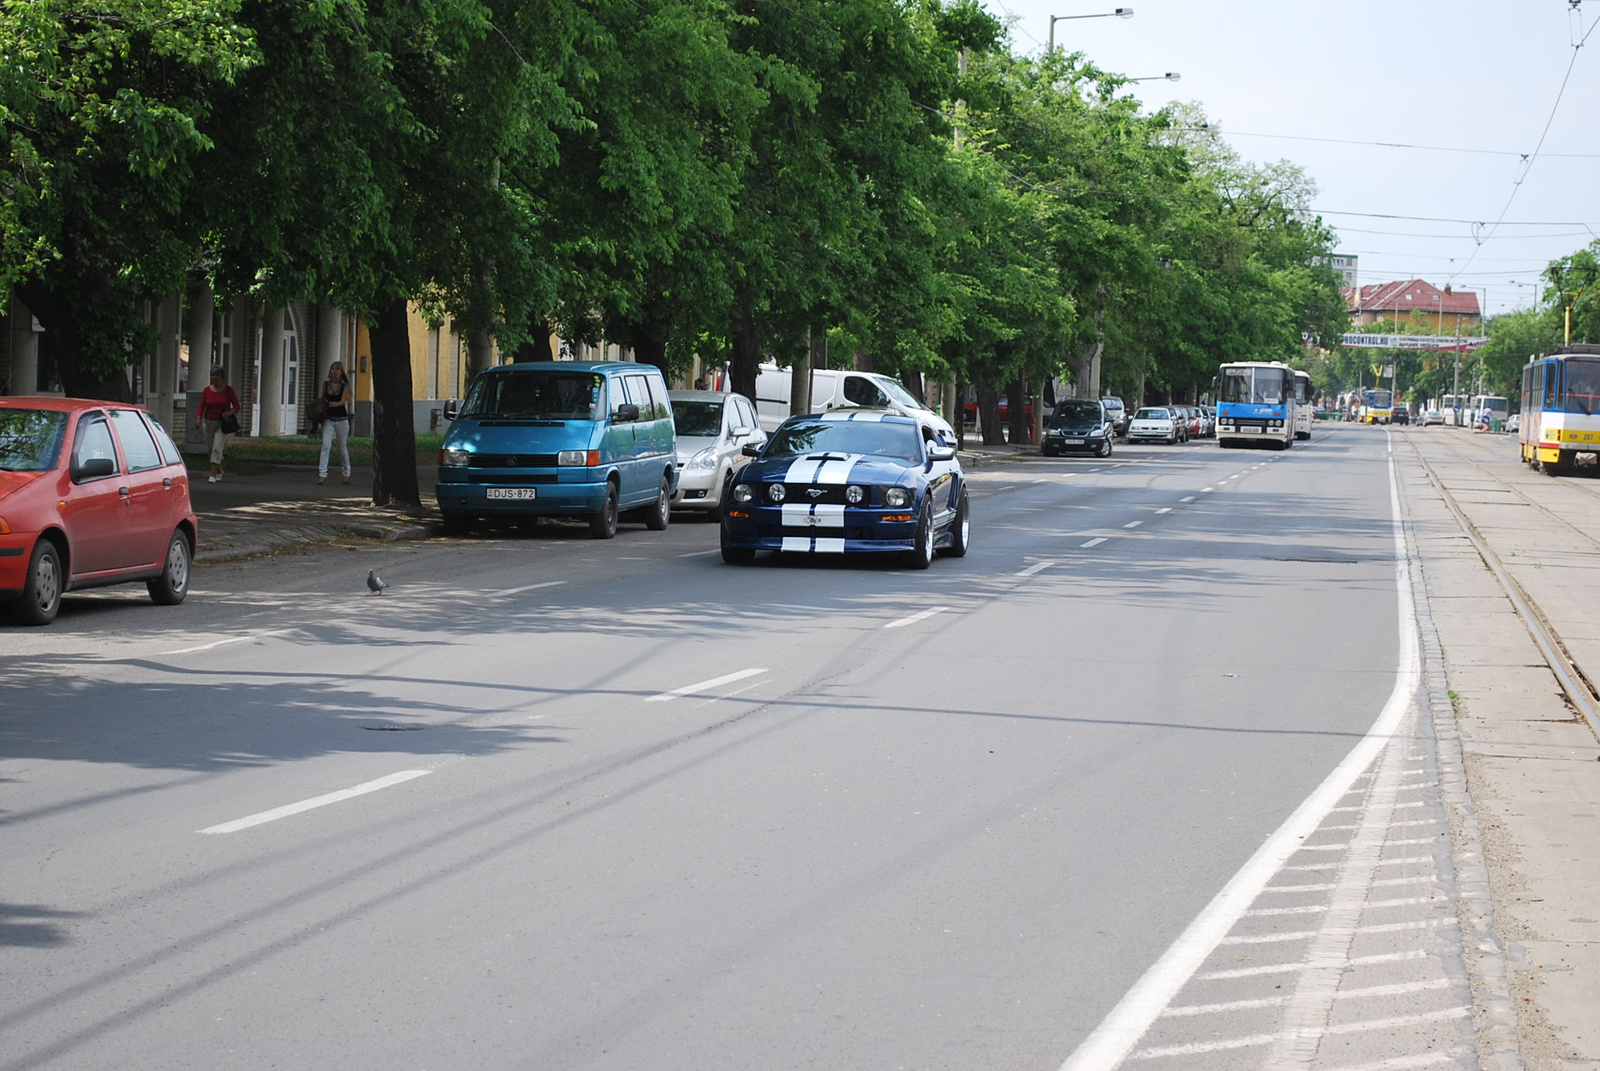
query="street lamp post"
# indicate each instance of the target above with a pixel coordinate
(1119, 13)
(1170, 76)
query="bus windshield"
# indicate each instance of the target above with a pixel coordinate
(1380, 399)
(1255, 386)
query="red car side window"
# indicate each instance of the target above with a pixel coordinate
(94, 440)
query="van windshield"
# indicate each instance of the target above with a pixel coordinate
(894, 390)
(541, 395)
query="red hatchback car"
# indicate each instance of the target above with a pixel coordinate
(91, 493)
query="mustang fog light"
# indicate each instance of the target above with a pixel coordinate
(896, 497)
(855, 495)
(455, 459)
(777, 492)
(742, 492)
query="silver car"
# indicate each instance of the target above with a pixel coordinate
(713, 427)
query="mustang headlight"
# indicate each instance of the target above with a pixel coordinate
(855, 495)
(705, 459)
(742, 492)
(455, 459)
(776, 492)
(896, 497)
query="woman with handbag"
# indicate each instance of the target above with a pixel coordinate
(336, 424)
(219, 408)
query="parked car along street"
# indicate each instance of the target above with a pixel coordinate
(713, 427)
(1154, 424)
(1079, 425)
(91, 493)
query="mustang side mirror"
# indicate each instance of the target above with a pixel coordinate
(93, 469)
(750, 449)
(940, 452)
(627, 412)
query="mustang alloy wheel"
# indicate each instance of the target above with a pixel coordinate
(921, 556)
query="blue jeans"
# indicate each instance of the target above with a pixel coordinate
(331, 430)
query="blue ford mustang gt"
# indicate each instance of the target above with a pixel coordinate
(849, 481)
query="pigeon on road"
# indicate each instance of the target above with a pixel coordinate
(375, 583)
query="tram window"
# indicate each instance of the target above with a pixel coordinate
(1583, 387)
(1552, 385)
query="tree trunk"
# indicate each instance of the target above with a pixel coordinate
(648, 337)
(746, 358)
(394, 453)
(538, 346)
(957, 411)
(913, 383)
(60, 321)
(1017, 409)
(1083, 369)
(989, 416)
(863, 361)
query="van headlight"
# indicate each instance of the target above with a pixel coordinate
(896, 497)
(705, 459)
(455, 459)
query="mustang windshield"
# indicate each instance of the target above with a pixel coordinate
(698, 419)
(1075, 412)
(30, 439)
(846, 437)
(537, 396)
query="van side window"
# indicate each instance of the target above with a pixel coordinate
(660, 406)
(858, 390)
(638, 392)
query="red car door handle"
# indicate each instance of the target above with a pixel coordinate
(123, 491)
(166, 481)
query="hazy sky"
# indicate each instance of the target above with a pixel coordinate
(1467, 74)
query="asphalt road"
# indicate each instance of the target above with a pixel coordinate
(622, 805)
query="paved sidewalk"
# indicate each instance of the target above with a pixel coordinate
(255, 514)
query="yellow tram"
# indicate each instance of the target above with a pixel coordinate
(1560, 424)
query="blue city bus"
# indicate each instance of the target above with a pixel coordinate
(1255, 404)
(1560, 423)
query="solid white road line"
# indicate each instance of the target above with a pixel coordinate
(1036, 567)
(1298, 965)
(231, 639)
(701, 553)
(1092, 543)
(1110, 1043)
(315, 802)
(691, 689)
(914, 618)
(525, 587)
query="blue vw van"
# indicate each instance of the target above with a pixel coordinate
(591, 439)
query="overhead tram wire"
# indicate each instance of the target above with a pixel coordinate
(1516, 186)
(1404, 145)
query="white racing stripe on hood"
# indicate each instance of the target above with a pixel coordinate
(815, 469)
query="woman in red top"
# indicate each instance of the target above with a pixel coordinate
(217, 401)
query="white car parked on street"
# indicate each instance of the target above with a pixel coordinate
(1155, 423)
(713, 428)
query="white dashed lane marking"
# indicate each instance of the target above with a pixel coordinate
(914, 618)
(262, 817)
(1036, 567)
(692, 689)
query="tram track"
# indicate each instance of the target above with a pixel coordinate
(1580, 691)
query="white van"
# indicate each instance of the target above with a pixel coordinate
(832, 388)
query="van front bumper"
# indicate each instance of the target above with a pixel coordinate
(551, 493)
